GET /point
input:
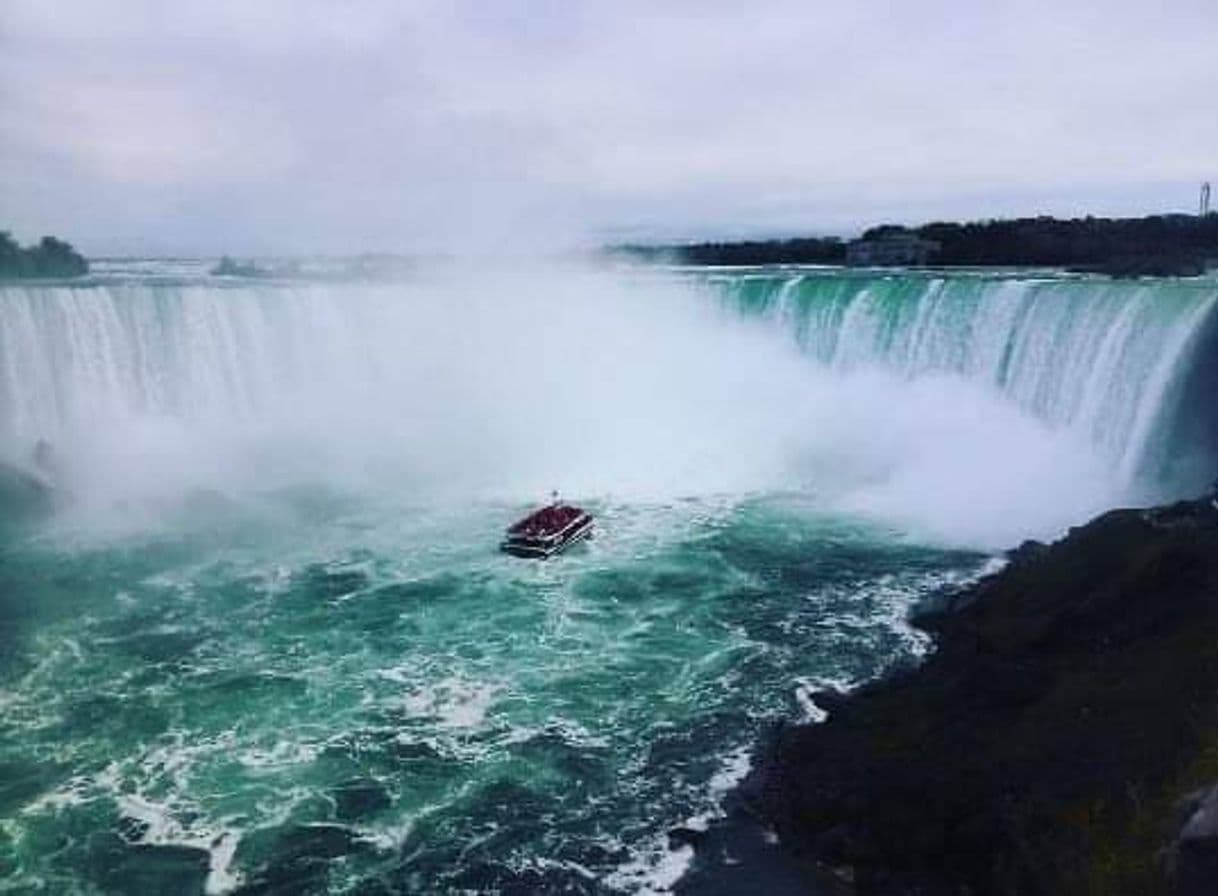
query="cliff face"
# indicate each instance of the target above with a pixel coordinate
(1045, 747)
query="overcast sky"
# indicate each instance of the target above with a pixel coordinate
(258, 126)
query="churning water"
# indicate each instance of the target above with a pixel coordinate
(267, 640)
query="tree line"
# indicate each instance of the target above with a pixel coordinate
(50, 257)
(1158, 244)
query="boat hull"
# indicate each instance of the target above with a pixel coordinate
(540, 547)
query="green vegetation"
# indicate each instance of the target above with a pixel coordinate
(1158, 245)
(804, 250)
(51, 257)
(1155, 245)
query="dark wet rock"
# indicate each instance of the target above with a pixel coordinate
(686, 750)
(1040, 748)
(359, 798)
(683, 836)
(1028, 551)
(739, 856)
(829, 699)
(938, 602)
(120, 867)
(1183, 515)
(1192, 858)
(131, 829)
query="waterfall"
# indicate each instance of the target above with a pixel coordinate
(1103, 358)
(1105, 361)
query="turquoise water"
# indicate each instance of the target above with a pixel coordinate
(266, 644)
(1093, 355)
(352, 696)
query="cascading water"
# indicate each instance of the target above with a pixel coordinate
(1096, 356)
(269, 641)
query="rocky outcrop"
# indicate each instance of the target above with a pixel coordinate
(1192, 858)
(1070, 704)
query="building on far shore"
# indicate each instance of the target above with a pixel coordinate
(896, 247)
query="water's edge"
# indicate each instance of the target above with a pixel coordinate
(1093, 694)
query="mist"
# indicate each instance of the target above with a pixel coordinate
(503, 384)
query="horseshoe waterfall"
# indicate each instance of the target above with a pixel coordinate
(263, 637)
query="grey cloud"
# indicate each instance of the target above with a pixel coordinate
(302, 126)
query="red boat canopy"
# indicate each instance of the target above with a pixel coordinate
(547, 521)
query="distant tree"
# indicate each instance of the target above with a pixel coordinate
(52, 257)
(804, 250)
(10, 253)
(1160, 245)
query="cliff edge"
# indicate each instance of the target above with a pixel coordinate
(1057, 741)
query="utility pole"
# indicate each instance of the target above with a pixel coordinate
(1203, 208)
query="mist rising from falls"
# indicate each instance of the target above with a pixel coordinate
(506, 385)
(980, 411)
(1096, 357)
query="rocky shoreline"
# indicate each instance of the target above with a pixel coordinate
(1063, 738)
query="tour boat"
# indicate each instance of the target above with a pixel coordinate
(547, 531)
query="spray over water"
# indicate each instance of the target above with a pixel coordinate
(978, 410)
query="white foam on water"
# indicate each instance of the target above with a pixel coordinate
(807, 688)
(655, 867)
(282, 753)
(221, 878)
(734, 768)
(391, 836)
(73, 792)
(452, 702)
(161, 818)
(654, 872)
